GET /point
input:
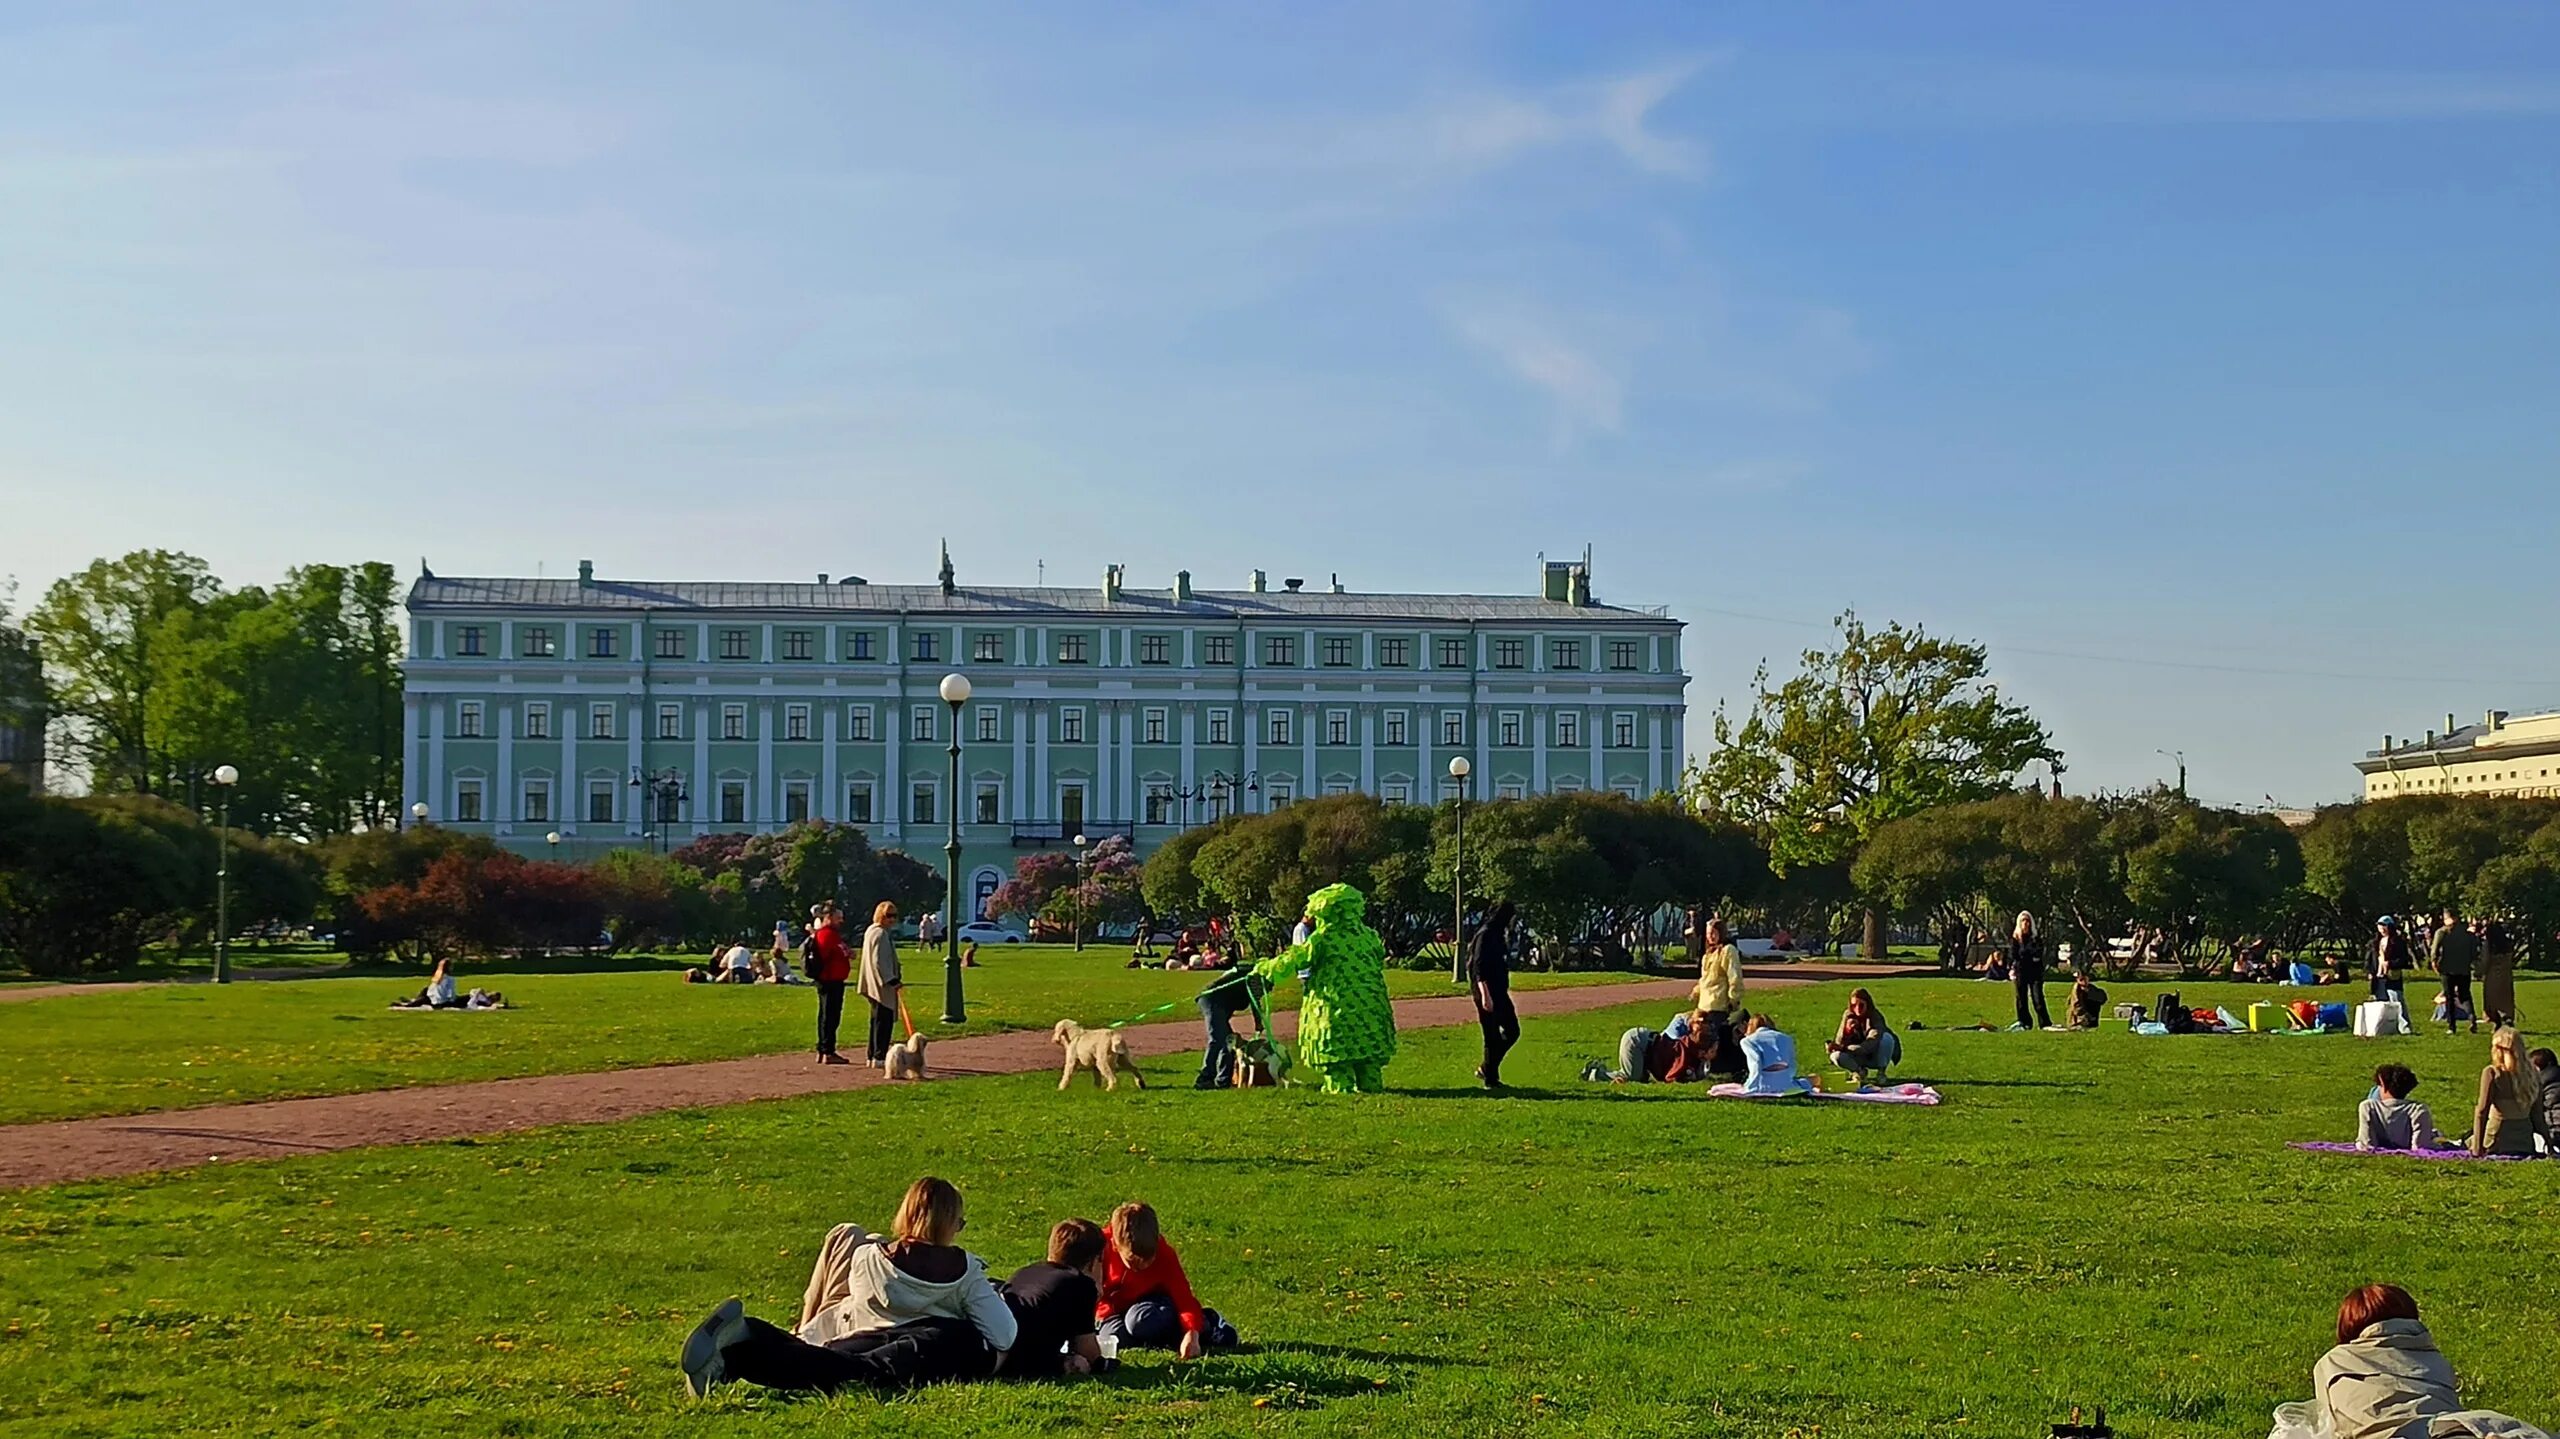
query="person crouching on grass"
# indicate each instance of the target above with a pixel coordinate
(1147, 1301)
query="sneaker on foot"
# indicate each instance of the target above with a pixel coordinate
(2015, 1029)
(718, 1330)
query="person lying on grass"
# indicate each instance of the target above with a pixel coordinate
(911, 1309)
(1146, 1300)
(1772, 1056)
(1675, 1054)
(2390, 1119)
(439, 993)
(2386, 1378)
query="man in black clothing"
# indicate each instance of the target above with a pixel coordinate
(1489, 967)
(1053, 1302)
(2389, 962)
(920, 1351)
(1220, 1003)
(2457, 948)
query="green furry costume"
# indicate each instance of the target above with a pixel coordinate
(1346, 1026)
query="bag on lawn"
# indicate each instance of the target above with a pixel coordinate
(2174, 1016)
(2300, 1420)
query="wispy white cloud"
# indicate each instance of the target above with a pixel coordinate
(1903, 91)
(1586, 392)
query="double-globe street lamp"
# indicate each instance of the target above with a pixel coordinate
(224, 777)
(955, 1004)
(1459, 769)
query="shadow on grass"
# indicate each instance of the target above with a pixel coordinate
(1596, 1091)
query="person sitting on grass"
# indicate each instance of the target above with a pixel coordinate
(911, 1309)
(2386, 1379)
(440, 992)
(2088, 1002)
(1053, 1304)
(1146, 1300)
(1772, 1056)
(2390, 1119)
(2546, 1071)
(1860, 1046)
(2510, 1105)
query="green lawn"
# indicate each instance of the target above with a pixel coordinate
(127, 1051)
(2092, 1219)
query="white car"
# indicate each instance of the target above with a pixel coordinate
(985, 933)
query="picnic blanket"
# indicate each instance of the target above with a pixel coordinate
(1889, 1094)
(2330, 1146)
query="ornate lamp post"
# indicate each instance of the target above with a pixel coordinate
(224, 778)
(418, 812)
(955, 1004)
(553, 840)
(662, 796)
(1079, 894)
(1459, 769)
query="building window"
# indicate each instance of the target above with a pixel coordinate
(1279, 793)
(537, 721)
(1395, 727)
(1510, 729)
(600, 722)
(470, 640)
(920, 806)
(671, 644)
(1071, 726)
(600, 644)
(920, 723)
(466, 801)
(990, 802)
(539, 642)
(1159, 802)
(1151, 725)
(798, 644)
(1395, 652)
(733, 801)
(1453, 654)
(1622, 654)
(1453, 727)
(795, 721)
(466, 720)
(1568, 729)
(733, 721)
(1337, 726)
(1217, 649)
(857, 724)
(733, 645)
(857, 802)
(1337, 786)
(1510, 654)
(1564, 655)
(670, 805)
(1622, 731)
(990, 724)
(1396, 793)
(1071, 649)
(1507, 791)
(857, 645)
(600, 801)
(927, 645)
(671, 721)
(537, 801)
(1279, 650)
(795, 801)
(1218, 731)
(1337, 650)
(987, 649)
(1279, 727)
(1628, 790)
(1154, 650)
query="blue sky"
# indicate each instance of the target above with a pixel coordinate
(2200, 359)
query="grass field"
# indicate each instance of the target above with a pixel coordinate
(2091, 1219)
(127, 1051)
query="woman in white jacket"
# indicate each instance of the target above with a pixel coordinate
(910, 1308)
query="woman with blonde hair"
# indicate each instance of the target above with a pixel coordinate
(2026, 972)
(882, 980)
(2509, 1092)
(1719, 997)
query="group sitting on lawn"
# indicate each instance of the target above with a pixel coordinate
(912, 1307)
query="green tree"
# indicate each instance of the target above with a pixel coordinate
(26, 700)
(100, 629)
(1882, 726)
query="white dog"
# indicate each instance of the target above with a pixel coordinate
(906, 1061)
(1104, 1051)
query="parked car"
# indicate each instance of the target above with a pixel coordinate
(983, 932)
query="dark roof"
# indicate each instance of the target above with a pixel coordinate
(2459, 739)
(444, 592)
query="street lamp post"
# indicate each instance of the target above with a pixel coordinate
(1079, 894)
(553, 840)
(2181, 757)
(223, 778)
(955, 1005)
(418, 812)
(1458, 772)
(656, 792)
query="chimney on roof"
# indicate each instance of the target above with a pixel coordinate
(2431, 739)
(586, 574)
(2387, 746)
(1337, 582)
(2448, 724)
(1293, 584)
(1260, 582)
(822, 577)
(2497, 720)
(1182, 587)
(1111, 582)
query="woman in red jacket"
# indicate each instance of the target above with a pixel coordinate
(1147, 1301)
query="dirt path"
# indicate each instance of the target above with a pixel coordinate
(15, 992)
(60, 1151)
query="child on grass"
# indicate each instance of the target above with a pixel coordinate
(1146, 1300)
(2389, 1119)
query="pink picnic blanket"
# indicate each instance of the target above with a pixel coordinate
(2327, 1146)
(1890, 1094)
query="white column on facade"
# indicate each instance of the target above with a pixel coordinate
(440, 789)
(1537, 651)
(1187, 660)
(633, 799)
(1129, 807)
(1679, 744)
(827, 807)
(889, 802)
(1250, 717)
(762, 812)
(1189, 773)
(1538, 720)
(1102, 803)
(703, 787)
(439, 639)
(1310, 778)
(1594, 736)
(502, 805)
(1368, 748)
(1040, 808)
(1483, 721)
(1653, 752)
(1020, 719)
(768, 644)
(415, 782)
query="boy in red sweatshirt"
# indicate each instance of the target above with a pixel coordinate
(1146, 1300)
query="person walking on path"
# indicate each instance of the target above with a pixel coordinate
(2390, 962)
(2497, 971)
(2457, 949)
(828, 962)
(1489, 970)
(2026, 972)
(882, 980)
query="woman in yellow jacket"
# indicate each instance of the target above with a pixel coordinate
(1719, 998)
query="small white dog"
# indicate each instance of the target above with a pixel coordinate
(1104, 1051)
(906, 1061)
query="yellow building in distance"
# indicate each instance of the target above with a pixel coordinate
(2501, 755)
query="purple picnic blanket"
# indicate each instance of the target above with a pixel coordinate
(1891, 1094)
(2327, 1146)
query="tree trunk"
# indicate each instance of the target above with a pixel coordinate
(1873, 947)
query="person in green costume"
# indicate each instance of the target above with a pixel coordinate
(1346, 1027)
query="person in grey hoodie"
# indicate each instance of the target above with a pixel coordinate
(2386, 1379)
(2390, 1119)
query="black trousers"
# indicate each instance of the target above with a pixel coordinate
(2388, 987)
(1501, 1025)
(2457, 993)
(884, 1030)
(2027, 980)
(920, 1351)
(830, 1014)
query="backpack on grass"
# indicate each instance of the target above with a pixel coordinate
(2173, 1016)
